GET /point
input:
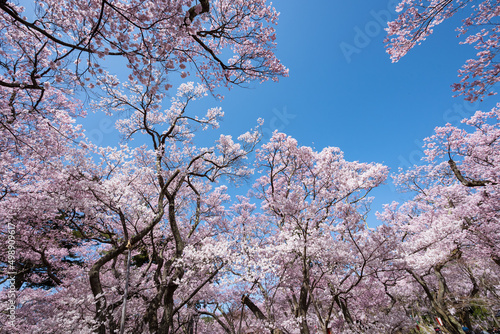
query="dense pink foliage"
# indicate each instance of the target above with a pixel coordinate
(447, 235)
(66, 41)
(318, 248)
(296, 255)
(73, 218)
(74, 210)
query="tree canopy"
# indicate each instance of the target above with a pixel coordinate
(147, 236)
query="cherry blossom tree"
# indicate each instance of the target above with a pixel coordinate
(448, 232)
(480, 28)
(446, 237)
(305, 259)
(99, 228)
(155, 202)
(472, 165)
(63, 42)
(144, 238)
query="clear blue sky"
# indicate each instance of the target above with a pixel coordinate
(344, 91)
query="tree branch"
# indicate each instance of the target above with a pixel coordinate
(461, 178)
